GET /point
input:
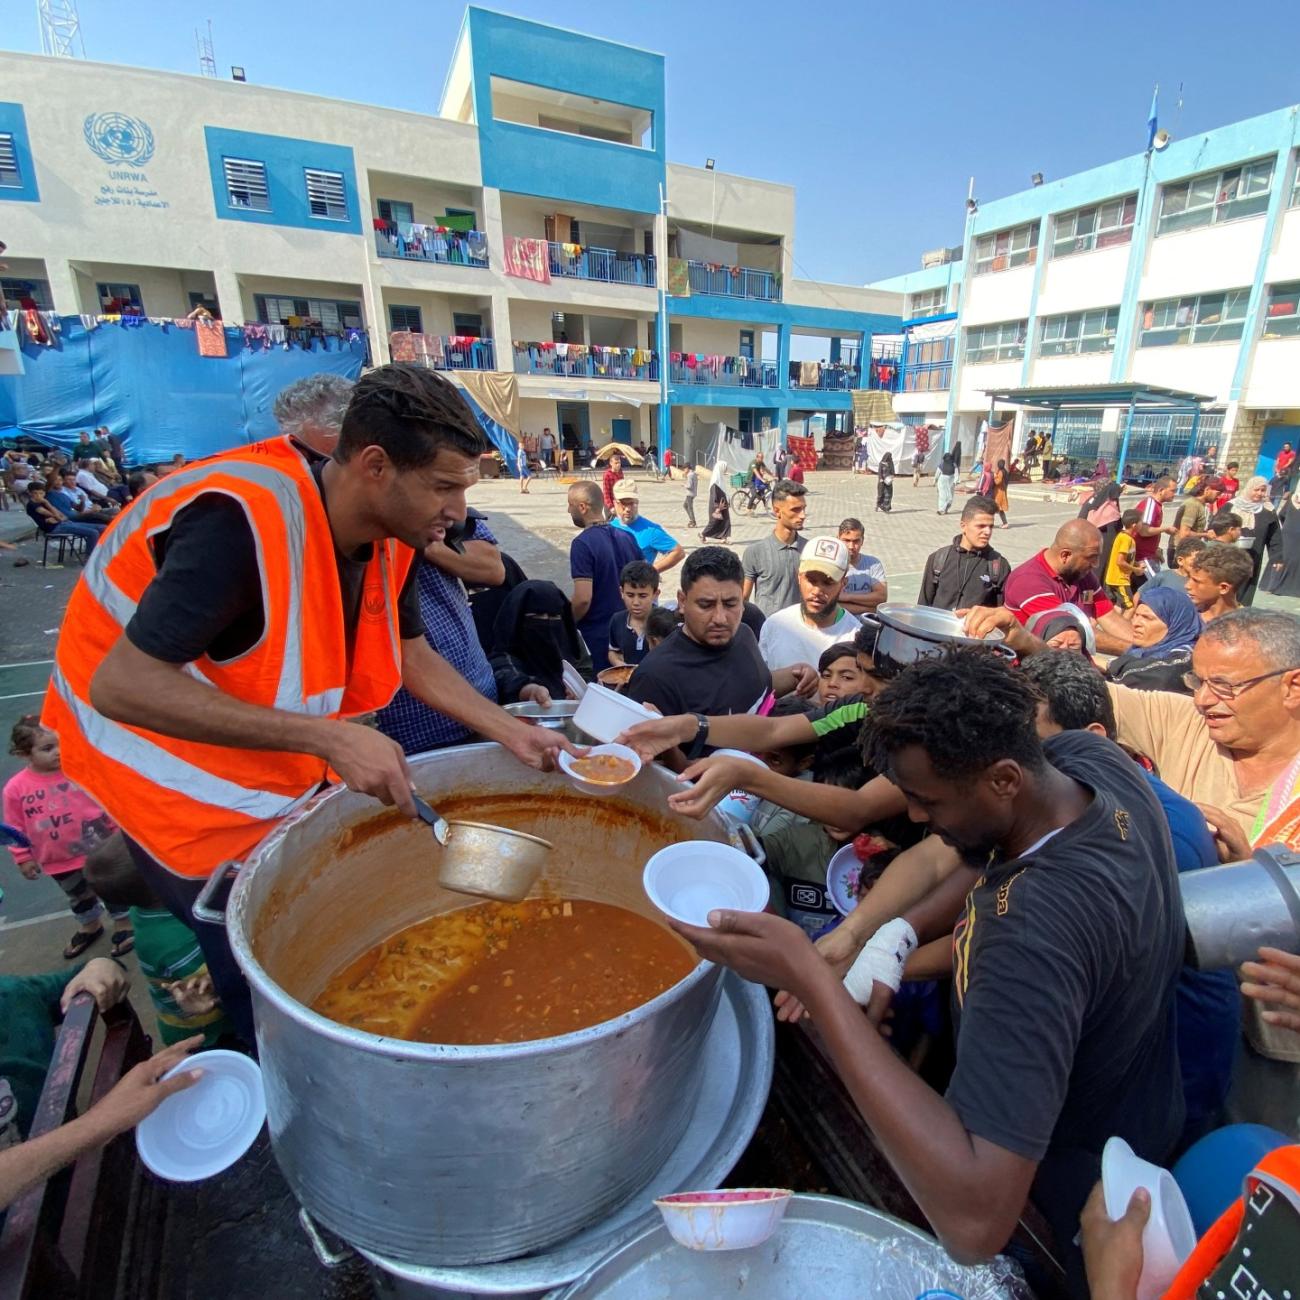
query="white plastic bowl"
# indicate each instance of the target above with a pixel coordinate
(739, 804)
(604, 714)
(204, 1129)
(734, 1218)
(687, 881)
(601, 787)
(1169, 1237)
(843, 868)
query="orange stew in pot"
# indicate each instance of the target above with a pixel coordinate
(507, 972)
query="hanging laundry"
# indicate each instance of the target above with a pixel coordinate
(810, 374)
(679, 278)
(211, 336)
(476, 243)
(402, 345)
(528, 259)
(37, 330)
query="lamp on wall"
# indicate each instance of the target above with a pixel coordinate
(1036, 178)
(708, 164)
(237, 73)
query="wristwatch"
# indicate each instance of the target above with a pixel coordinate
(701, 738)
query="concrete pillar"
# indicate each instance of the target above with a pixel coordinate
(65, 292)
(230, 298)
(782, 374)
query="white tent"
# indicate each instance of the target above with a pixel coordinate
(898, 439)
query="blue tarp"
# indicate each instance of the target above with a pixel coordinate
(501, 437)
(148, 384)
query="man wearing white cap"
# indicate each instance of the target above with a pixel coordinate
(658, 546)
(799, 633)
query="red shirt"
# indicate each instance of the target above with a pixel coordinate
(1230, 486)
(1153, 515)
(1285, 459)
(796, 472)
(1033, 587)
(607, 486)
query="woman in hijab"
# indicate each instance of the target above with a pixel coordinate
(1066, 627)
(1000, 480)
(718, 529)
(1102, 510)
(944, 481)
(1165, 628)
(885, 483)
(1260, 531)
(1283, 578)
(533, 635)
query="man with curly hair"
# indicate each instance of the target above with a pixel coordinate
(1065, 959)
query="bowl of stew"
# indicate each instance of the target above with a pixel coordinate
(603, 769)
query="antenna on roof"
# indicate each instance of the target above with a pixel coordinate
(207, 58)
(60, 28)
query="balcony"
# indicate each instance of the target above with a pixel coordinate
(576, 262)
(585, 361)
(733, 281)
(687, 369)
(413, 242)
(826, 377)
(442, 351)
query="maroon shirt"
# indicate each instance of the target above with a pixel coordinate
(1153, 515)
(1033, 587)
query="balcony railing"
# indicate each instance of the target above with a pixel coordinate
(442, 351)
(577, 262)
(688, 368)
(733, 281)
(828, 378)
(585, 361)
(418, 243)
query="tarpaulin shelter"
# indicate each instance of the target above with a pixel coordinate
(149, 385)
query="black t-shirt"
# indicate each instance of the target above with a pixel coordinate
(206, 598)
(682, 676)
(1064, 969)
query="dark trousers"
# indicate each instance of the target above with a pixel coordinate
(689, 503)
(177, 895)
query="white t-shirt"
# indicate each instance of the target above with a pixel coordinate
(864, 576)
(786, 639)
(89, 484)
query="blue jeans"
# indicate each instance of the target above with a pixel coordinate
(88, 531)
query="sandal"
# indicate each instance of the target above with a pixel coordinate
(123, 941)
(80, 942)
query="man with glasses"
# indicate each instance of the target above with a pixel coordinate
(1233, 747)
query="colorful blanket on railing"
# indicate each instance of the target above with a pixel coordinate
(528, 259)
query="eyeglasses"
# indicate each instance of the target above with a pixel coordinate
(1226, 690)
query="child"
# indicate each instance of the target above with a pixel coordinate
(170, 958)
(660, 624)
(638, 584)
(842, 673)
(797, 854)
(62, 824)
(1121, 566)
(692, 488)
(521, 464)
(793, 760)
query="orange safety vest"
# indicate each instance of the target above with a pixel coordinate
(192, 805)
(1281, 1170)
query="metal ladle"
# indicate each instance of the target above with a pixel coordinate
(482, 860)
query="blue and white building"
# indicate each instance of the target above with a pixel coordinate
(1179, 269)
(128, 187)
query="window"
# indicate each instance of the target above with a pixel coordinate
(929, 302)
(1081, 331)
(1295, 189)
(467, 324)
(405, 318)
(1210, 318)
(396, 211)
(116, 298)
(17, 291)
(1004, 342)
(1216, 196)
(1282, 315)
(328, 312)
(1101, 226)
(325, 195)
(747, 344)
(10, 176)
(246, 184)
(1007, 248)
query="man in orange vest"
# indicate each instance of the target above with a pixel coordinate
(240, 612)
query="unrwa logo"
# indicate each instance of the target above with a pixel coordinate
(119, 138)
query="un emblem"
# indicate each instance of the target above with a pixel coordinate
(119, 138)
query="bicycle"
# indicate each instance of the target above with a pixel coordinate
(749, 498)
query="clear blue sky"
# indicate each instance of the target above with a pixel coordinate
(876, 114)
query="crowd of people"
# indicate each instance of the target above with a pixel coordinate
(1020, 815)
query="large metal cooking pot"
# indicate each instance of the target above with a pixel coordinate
(905, 633)
(434, 1154)
(1235, 909)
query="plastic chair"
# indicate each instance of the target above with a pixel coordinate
(1210, 1171)
(63, 542)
